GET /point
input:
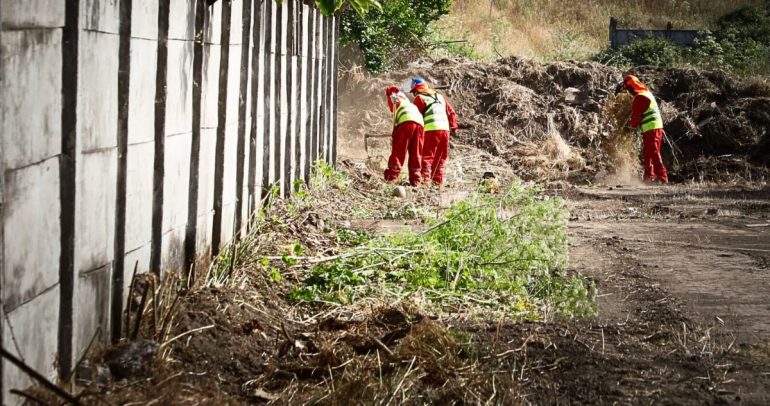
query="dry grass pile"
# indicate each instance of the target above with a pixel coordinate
(622, 143)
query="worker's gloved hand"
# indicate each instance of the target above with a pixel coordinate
(619, 88)
(454, 132)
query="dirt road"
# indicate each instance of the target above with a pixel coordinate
(683, 278)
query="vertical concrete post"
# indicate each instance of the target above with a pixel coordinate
(2, 215)
(278, 75)
(268, 102)
(67, 173)
(308, 100)
(288, 138)
(256, 116)
(327, 84)
(219, 155)
(335, 88)
(318, 97)
(302, 83)
(160, 136)
(191, 229)
(242, 111)
(313, 89)
(124, 88)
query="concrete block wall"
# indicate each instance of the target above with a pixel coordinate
(142, 134)
(31, 145)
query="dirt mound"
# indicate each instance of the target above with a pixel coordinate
(546, 120)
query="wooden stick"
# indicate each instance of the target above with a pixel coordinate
(27, 396)
(139, 314)
(38, 377)
(195, 330)
(130, 293)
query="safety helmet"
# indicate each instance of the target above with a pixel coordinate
(416, 82)
(631, 83)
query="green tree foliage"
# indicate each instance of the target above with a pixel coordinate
(398, 26)
(740, 43)
(328, 7)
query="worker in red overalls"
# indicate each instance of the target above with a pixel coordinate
(440, 119)
(645, 115)
(407, 136)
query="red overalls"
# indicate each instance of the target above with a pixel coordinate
(437, 124)
(652, 140)
(407, 137)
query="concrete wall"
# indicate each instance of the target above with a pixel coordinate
(622, 37)
(142, 134)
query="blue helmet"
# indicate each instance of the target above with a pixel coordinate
(417, 81)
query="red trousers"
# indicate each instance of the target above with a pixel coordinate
(407, 136)
(434, 155)
(651, 160)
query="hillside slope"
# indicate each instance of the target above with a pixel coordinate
(561, 30)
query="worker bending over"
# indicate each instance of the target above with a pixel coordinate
(645, 115)
(440, 119)
(407, 136)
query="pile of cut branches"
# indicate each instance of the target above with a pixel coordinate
(499, 254)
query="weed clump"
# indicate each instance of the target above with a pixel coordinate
(502, 253)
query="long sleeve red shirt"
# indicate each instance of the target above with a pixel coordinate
(388, 93)
(639, 105)
(450, 112)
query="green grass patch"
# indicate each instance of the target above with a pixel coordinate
(503, 253)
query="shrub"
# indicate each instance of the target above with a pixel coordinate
(741, 44)
(652, 51)
(385, 34)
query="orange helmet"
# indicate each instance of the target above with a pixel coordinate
(631, 82)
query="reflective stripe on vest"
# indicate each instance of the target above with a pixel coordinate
(406, 111)
(435, 116)
(651, 119)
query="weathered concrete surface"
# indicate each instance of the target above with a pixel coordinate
(94, 245)
(30, 128)
(32, 14)
(31, 235)
(175, 181)
(141, 137)
(92, 304)
(144, 22)
(206, 190)
(181, 20)
(179, 101)
(30, 134)
(30, 333)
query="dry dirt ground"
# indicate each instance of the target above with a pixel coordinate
(683, 276)
(682, 318)
(682, 271)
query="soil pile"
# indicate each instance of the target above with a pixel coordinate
(547, 122)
